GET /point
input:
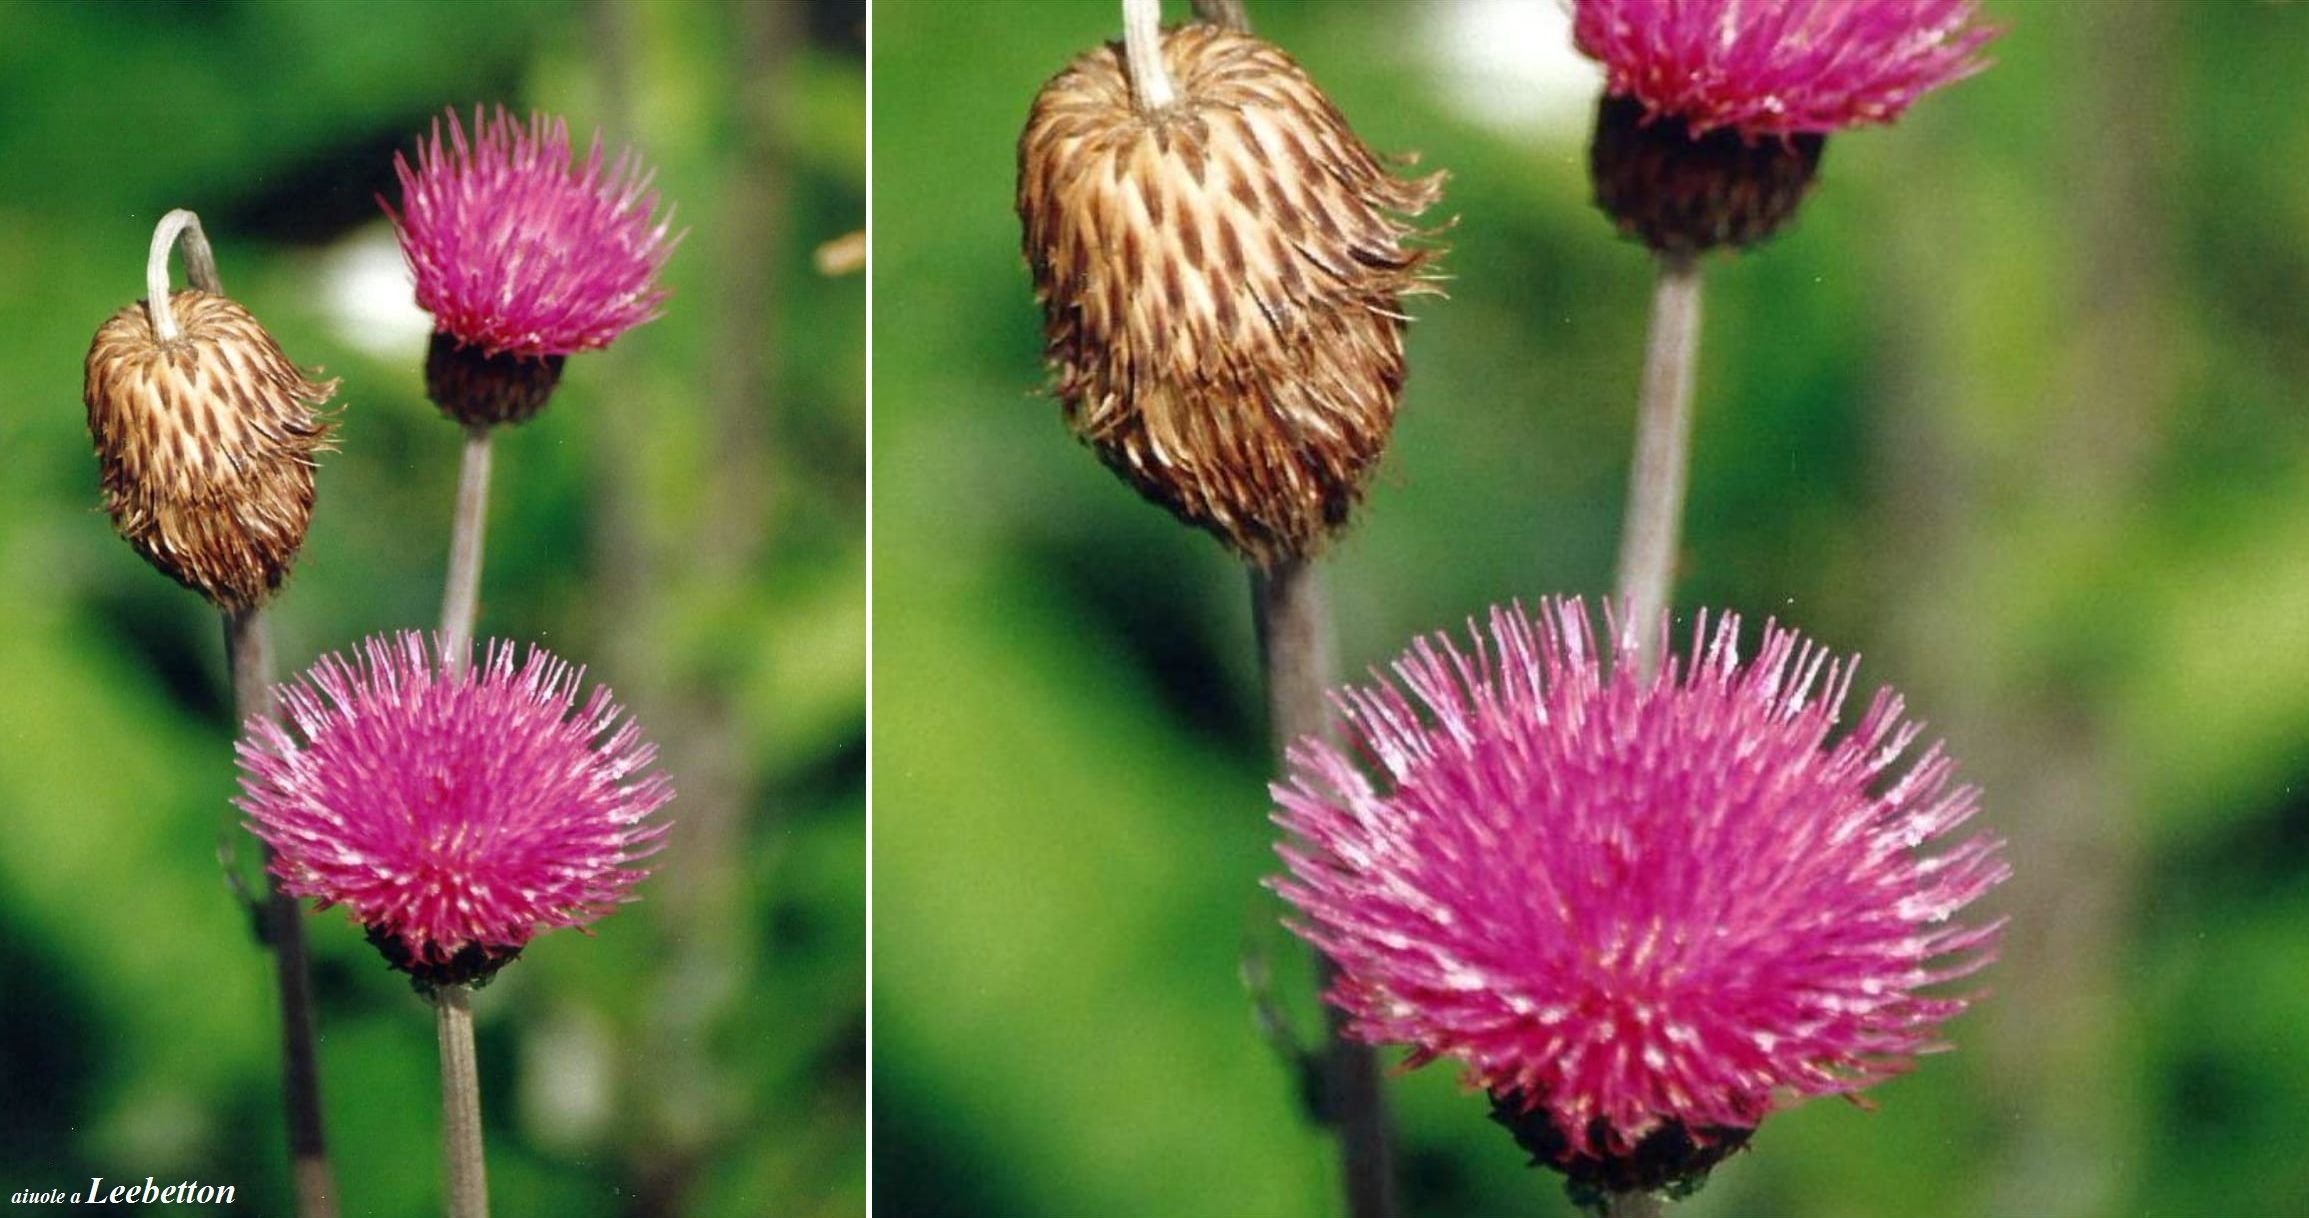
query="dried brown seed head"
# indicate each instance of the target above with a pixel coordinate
(1220, 281)
(206, 445)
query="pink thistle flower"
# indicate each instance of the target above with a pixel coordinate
(1642, 913)
(520, 252)
(455, 813)
(1779, 67)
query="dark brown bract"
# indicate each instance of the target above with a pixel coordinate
(206, 445)
(1220, 282)
(483, 390)
(1686, 194)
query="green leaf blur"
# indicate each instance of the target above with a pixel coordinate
(686, 520)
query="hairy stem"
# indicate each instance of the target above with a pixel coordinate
(1228, 14)
(1637, 1204)
(248, 645)
(199, 269)
(1654, 528)
(1142, 44)
(461, 601)
(249, 652)
(1292, 612)
(461, 1104)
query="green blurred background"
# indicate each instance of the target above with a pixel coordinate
(2015, 410)
(687, 519)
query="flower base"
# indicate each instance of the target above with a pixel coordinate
(474, 964)
(1672, 1158)
(1684, 195)
(483, 390)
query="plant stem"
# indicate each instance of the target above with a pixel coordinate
(249, 652)
(1227, 14)
(1292, 612)
(248, 647)
(1142, 44)
(1655, 512)
(1638, 1204)
(1295, 649)
(199, 269)
(461, 602)
(461, 1104)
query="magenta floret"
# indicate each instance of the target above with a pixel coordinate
(450, 811)
(519, 251)
(1632, 903)
(1780, 67)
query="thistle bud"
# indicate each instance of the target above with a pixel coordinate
(1220, 281)
(206, 445)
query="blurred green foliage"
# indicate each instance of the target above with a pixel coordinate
(686, 520)
(2015, 410)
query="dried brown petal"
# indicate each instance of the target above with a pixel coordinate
(206, 445)
(1220, 282)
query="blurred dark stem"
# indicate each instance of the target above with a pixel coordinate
(1655, 507)
(1228, 13)
(248, 646)
(2058, 1058)
(656, 574)
(1292, 612)
(249, 651)
(1295, 650)
(467, 1170)
(461, 600)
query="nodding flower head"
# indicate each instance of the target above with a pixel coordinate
(1222, 281)
(1642, 913)
(455, 812)
(206, 444)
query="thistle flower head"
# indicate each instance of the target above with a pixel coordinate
(205, 443)
(454, 812)
(1779, 67)
(1642, 913)
(518, 250)
(1716, 112)
(1221, 281)
(523, 257)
